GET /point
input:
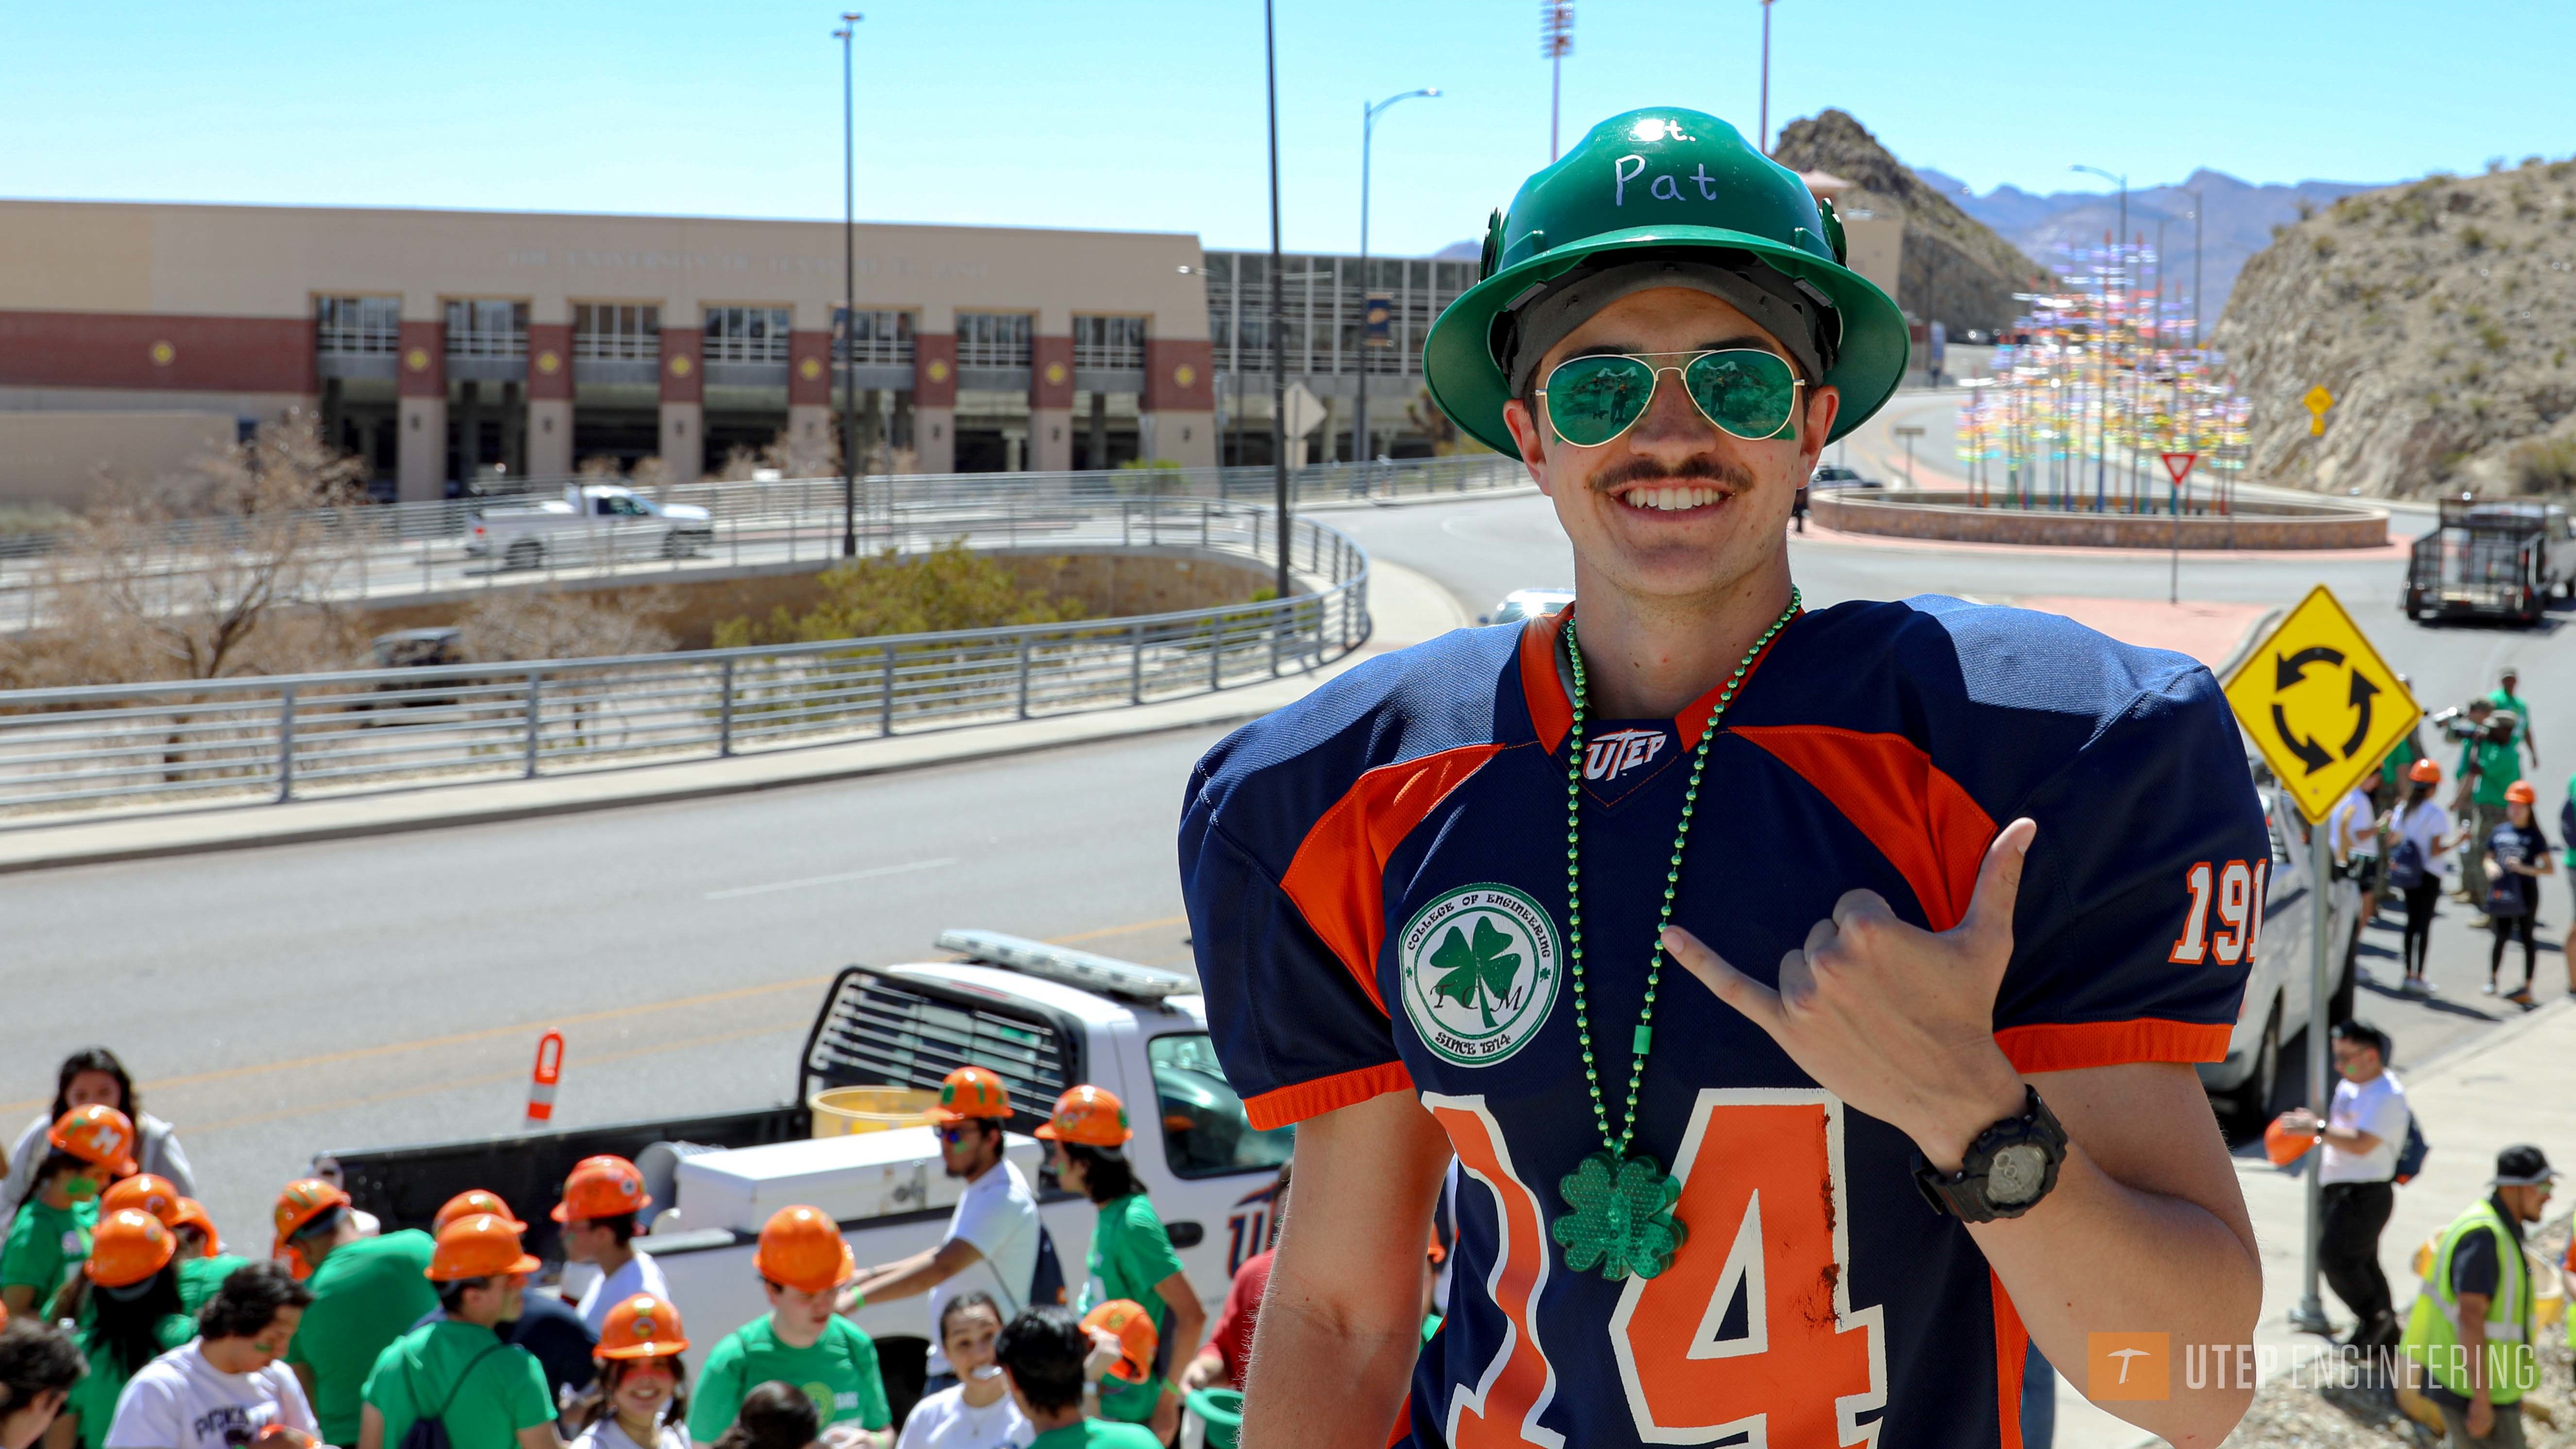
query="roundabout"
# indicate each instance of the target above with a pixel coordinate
(1954, 516)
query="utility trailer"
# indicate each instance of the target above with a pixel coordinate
(2492, 559)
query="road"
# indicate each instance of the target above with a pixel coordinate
(370, 992)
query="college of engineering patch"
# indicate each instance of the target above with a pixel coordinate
(1479, 969)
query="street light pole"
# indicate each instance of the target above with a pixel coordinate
(1278, 307)
(1361, 452)
(849, 299)
(1764, 140)
(1555, 41)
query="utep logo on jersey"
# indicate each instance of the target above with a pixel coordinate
(1479, 972)
(1607, 757)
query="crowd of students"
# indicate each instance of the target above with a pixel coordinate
(129, 1325)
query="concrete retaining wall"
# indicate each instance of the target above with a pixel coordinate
(1944, 516)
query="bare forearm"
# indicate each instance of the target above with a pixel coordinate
(2101, 1257)
(1299, 1343)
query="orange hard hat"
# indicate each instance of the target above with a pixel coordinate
(279, 1436)
(642, 1327)
(481, 1246)
(146, 1192)
(102, 1136)
(2520, 793)
(801, 1248)
(192, 1214)
(970, 1093)
(128, 1246)
(2425, 771)
(474, 1200)
(1137, 1337)
(601, 1187)
(1091, 1116)
(2284, 1146)
(302, 1202)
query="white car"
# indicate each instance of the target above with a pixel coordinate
(1522, 604)
(2278, 980)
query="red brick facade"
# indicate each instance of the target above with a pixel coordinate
(683, 364)
(1180, 376)
(1050, 372)
(127, 350)
(809, 369)
(420, 365)
(934, 369)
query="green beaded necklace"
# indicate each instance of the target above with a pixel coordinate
(1619, 1204)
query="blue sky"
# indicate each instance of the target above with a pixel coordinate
(1147, 114)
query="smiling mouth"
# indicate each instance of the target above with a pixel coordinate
(1673, 497)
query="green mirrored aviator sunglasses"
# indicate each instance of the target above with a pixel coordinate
(1742, 391)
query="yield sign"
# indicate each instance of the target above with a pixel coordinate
(2320, 703)
(2178, 465)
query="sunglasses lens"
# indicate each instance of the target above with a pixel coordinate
(1591, 400)
(1748, 393)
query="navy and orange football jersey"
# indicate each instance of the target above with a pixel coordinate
(1376, 888)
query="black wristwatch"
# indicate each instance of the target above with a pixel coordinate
(2005, 1172)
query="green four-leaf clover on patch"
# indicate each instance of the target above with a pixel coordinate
(1477, 973)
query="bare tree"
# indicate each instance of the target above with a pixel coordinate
(529, 623)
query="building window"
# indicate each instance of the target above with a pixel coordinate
(992, 339)
(617, 332)
(884, 339)
(1109, 342)
(487, 329)
(746, 334)
(358, 326)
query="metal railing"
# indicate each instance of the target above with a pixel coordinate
(238, 741)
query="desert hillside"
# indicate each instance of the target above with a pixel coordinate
(2441, 315)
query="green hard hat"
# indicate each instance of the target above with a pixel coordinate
(1658, 179)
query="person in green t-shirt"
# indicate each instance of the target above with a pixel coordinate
(2503, 697)
(802, 1262)
(86, 1149)
(1049, 1362)
(2489, 766)
(128, 1306)
(367, 1292)
(488, 1394)
(1131, 1256)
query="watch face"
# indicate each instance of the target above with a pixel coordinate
(2016, 1172)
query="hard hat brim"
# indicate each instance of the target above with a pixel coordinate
(651, 1348)
(527, 1263)
(950, 1116)
(1458, 364)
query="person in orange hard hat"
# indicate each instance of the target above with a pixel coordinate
(1131, 1256)
(146, 1192)
(600, 1202)
(2517, 856)
(643, 1382)
(2420, 840)
(128, 1304)
(438, 1370)
(991, 1245)
(93, 1077)
(203, 1263)
(469, 1202)
(802, 1262)
(87, 1148)
(547, 1326)
(367, 1292)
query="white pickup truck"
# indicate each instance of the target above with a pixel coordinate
(592, 521)
(1043, 1017)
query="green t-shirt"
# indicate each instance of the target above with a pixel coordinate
(1130, 1256)
(365, 1295)
(2498, 767)
(2521, 712)
(839, 1373)
(491, 1389)
(200, 1277)
(94, 1397)
(45, 1244)
(1097, 1434)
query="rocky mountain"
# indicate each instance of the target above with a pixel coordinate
(2441, 315)
(2237, 221)
(1956, 269)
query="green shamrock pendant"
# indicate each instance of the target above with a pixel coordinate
(1620, 1216)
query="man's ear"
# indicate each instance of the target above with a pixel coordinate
(1533, 445)
(1824, 404)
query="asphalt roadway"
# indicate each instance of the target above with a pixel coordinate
(389, 990)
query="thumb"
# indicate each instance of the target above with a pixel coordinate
(1990, 910)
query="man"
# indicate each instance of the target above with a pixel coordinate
(1229, 1346)
(226, 1387)
(1430, 919)
(547, 1326)
(2364, 1128)
(2503, 697)
(486, 1393)
(600, 1201)
(802, 1263)
(2470, 1331)
(1044, 1353)
(39, 1363)
(992, 1241)
(2489, 768)
(367, 1291)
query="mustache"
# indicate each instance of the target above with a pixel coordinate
(1703, 468)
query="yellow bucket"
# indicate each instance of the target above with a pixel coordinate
(2548, 1290)
(843, 1111)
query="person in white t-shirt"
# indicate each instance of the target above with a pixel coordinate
(977, 1412)
(600, 1201)
(992, 1239)
(2363, 1131)
(225, 1388)
(2419, 822)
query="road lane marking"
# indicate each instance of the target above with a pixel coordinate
(872, 873)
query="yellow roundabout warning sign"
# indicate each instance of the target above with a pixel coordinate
(2320, 703)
